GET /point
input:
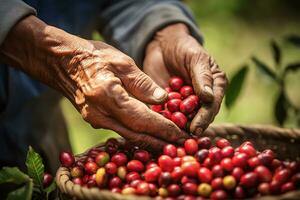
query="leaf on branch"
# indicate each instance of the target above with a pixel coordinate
(281, 108)
(292, 67)
(264, 69)
(276, 52)
(294, 39)
(13, 175)
(235, 86)
(35, 168)
(22, 193)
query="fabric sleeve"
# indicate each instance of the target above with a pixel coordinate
(130, 25)
(11, 11)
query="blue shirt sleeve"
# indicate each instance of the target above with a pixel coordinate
(130, 24)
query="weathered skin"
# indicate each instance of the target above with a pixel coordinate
(174, 51)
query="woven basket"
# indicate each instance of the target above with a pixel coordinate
(285, 142)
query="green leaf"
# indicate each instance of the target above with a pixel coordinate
(281, 108)
(264, 69)
(292, 67)
(235, 86)
(294, 39)
(35, 168)
(50, 189)
(276, 52)
(13, 175)
(22, 193)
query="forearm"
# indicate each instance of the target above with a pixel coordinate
(41, 51)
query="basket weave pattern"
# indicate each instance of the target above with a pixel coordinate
(285, 142)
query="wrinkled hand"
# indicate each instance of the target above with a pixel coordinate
(173, 51)
(104, 84)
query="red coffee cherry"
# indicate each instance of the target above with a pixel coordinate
(215, 154)
(237, 172)
(190, 146)
(248, 149)
(177, 174)
(173, 190)
(167, 114)
(175, 83)
(152, 189)
(173, 105)
(151, 164)
(115, 182)
(289, 186)
(264, 188)
(131, 176)
(170, 150)
(240, 160)
(188, 105)
(253, 162)
(218, 195)
(141, 155)
(221, 143)
(174, 95)
(119, 159)
(111, 168)
(239, 193)
(249, 180)
(296, 180)
(227, 151)
(204, 175)
(90, 167)
(179, 119)
(152, 174)
(135, 165)
(168, 89)
(135, 183)
(77, 181)
(217, 183)
(164, 179)
(156, 108)
(166, 163)
(47, 180)
(204, 143)
(263, 173)
(217, 171)
(275, 187)
(190, 188)
(143, 189)
(282, 176)
(190, 168)
(186, 91)
(201, 155)
(227, 164)
(66, 159)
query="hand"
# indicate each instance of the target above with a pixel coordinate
(173, 51)
(97, 78)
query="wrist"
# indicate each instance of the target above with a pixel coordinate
(173, 30)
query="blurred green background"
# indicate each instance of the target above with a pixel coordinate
(233, 30)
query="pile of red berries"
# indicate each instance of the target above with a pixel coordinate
(196, 170)
(182, 104)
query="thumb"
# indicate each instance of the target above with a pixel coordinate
(142, 86)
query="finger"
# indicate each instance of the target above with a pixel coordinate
(202, 80)
(142, 140)
(207, 112)
(136, 116)
(142, 86)
(154, 67)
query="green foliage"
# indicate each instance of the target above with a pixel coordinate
(27, 186)
(235, 85)
(35, 169)
(282, 105)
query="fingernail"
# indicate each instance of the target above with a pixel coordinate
(208, 90)
(159, 93)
